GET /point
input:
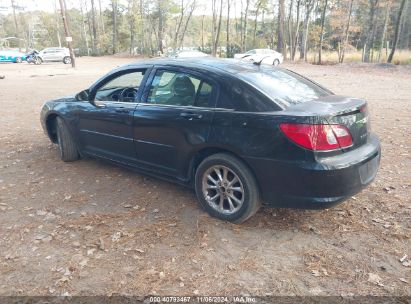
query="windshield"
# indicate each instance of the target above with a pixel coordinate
(284, 86)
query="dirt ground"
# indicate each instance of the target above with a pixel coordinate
(91, 228)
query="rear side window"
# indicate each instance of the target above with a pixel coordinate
(241, 97)
(283, 86)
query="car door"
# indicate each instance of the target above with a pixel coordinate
(46, 55)
(174, 120)
(106, 129)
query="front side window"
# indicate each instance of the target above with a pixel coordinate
(180, 89)
(123, 88)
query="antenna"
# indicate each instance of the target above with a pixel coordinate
(259, 62)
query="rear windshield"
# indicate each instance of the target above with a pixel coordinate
(284, 86)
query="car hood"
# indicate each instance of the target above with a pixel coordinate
(68, 98)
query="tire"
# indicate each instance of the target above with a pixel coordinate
(38, 60)
(67, 60)
(67, 146)
(276, 62)
(19, 60)
(246, 190)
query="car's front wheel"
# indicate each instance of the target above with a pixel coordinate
(19, 60)
(226, 188)
(67, 146)
(67, 60)
(276, 62)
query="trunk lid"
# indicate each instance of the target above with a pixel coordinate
(346, 111)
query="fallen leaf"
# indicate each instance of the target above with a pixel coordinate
(406, 263)
(91, 251)
(375, 279)
(116, 236)
(315, 273)
(83, 263)
(101, 245)
(403, 258)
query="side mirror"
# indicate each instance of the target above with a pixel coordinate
(86, 95)
(83, 95)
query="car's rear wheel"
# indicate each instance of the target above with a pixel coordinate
(226, 188)
(67, 60)
(19, 60)
(67, 146)
(38, 60)
(276, 62)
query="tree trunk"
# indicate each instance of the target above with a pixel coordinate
(132, 23)
(347, 33)
(180, 21)
(255, 22)
(161, 22)
(241, 27)
(297, 30)
(309, 4)
(90, 30)
(369, 42)
(202, 33)
(16, 27)
(93, 20)
(405, 35)
(142, 43)
(280, 31)
(214, 25)
(193, 5)
(322, 31)
(244, 40)
(290, 28)
(228, 54)
(58, 23)
(83, 21)
(101, 17)
(384, 31)
(218, 30)
(114, 19)
(67, 31)
(397, 30)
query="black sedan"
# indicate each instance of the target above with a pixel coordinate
(239, 133)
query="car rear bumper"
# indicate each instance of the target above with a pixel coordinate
(317, 185)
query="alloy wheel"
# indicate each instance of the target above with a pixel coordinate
(223, 189)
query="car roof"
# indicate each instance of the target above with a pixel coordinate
(54, 48)
(180, 51)
(265, 50)
(218, 66)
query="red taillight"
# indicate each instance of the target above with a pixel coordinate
(318, 137)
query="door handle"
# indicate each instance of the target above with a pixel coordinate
(122, 110)
(191, 116)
